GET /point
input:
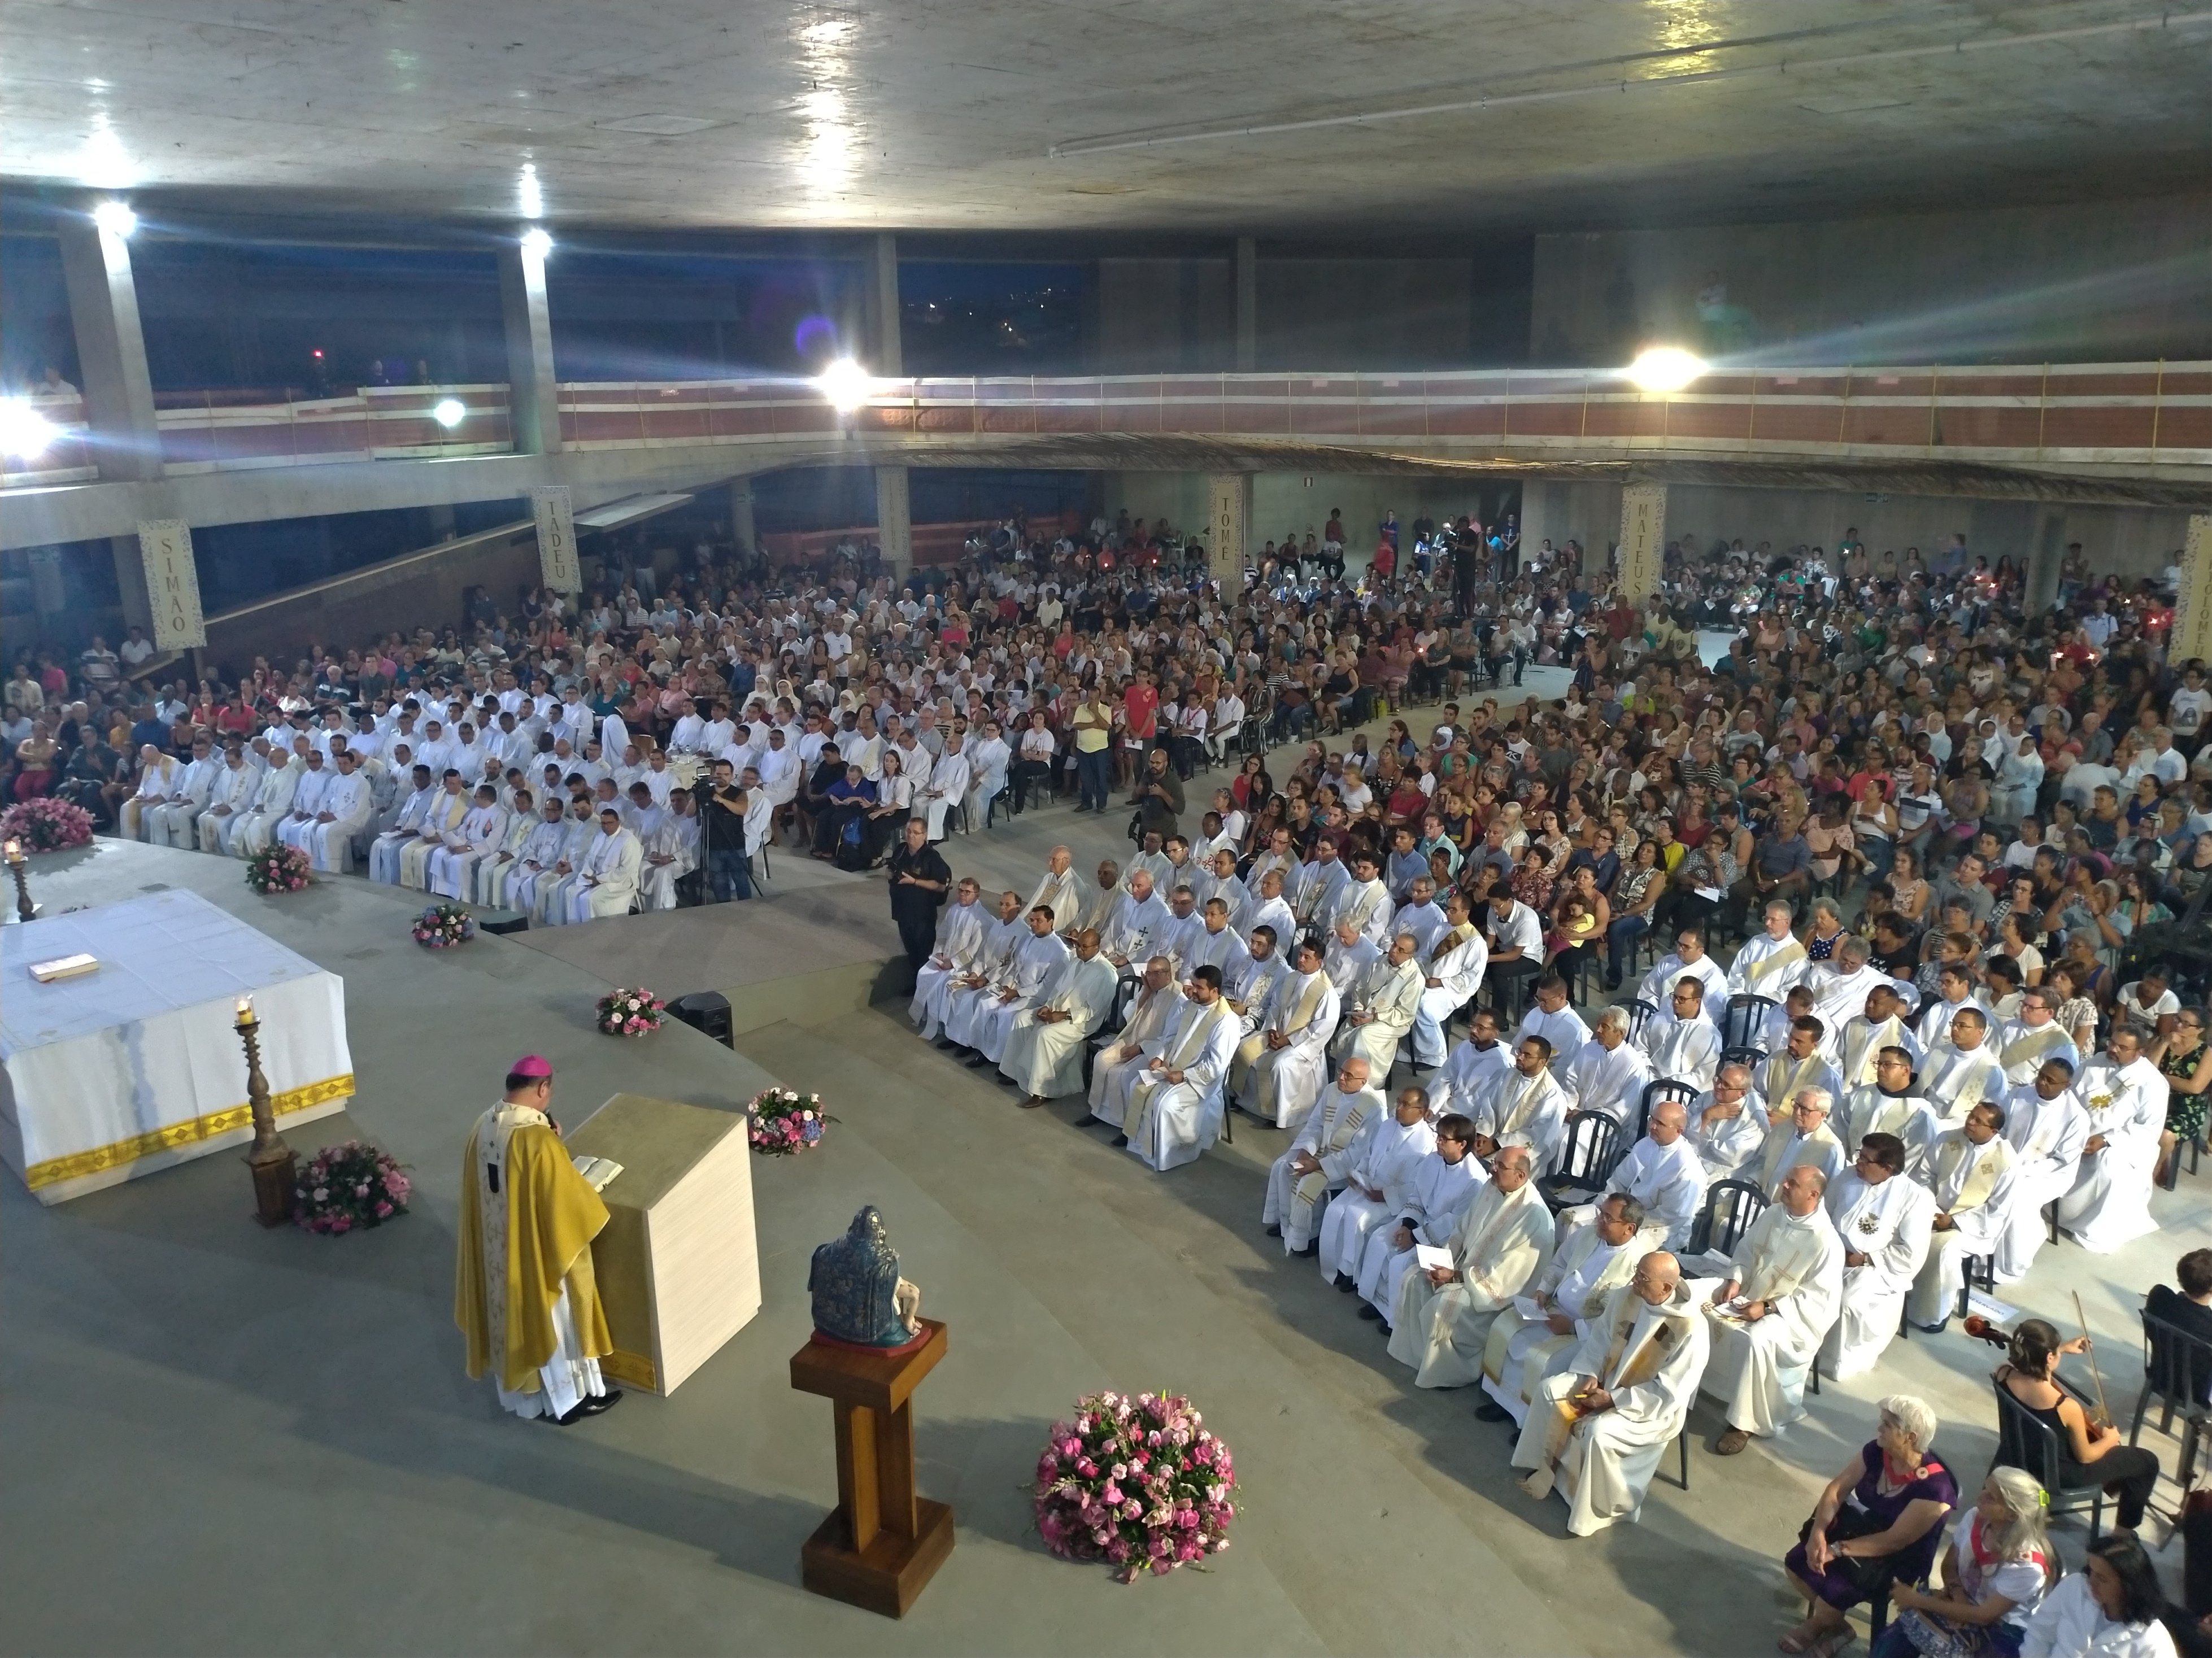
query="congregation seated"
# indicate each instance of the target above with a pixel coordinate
(1996, 1568)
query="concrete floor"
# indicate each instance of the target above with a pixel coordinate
(222, 1440)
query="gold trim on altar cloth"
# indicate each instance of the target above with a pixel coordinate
(78, 1164)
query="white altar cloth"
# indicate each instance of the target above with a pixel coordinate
(137, 1068)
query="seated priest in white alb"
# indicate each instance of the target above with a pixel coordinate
(1220, 881)
(1059, 890)
(549, 888)
(1687, 960)
(1379, 1165)
(1452, 966)
(1804, 1136)
(1044, 1051)
(272, 803)
(1152, 1013)
(1685, 1045)
(514, 886)
(1033, 961)
(1098, 900)
(453, 865)
(1319, 1158)
(1609, 1073)
(1954, 991)
(404, 828)
(443, 818)
(1972, 1176)
(174, 822)
(230, 799)
(1215, 943)
(946, 787)
(1550, 1017)
(1441, 1316)
(1961, 1071)
(2125, 1097)
(1661, 1172)
(1136, 926)
(1424, 1211)
(1728, 1128)
(1421, 915)
(1364, 901)
(1796, 1066)
(2035, 1036)
(1347, 954)
(1883, 1218)
(1599, 1426)
(1270, 909)
(343, 808)
(1526, 1107)
(1783, 1290)
(1770, 963)
(1891, 1104)
(1475, 1067)
(522, 823)
(671, 849)
(960, 926)
(1291, 1066)
(1379, 1008)
(157, 775)
(1862, 1036)
(1249, 993)
(606, 880)
(1174, 1106)
(966, 993)
(2046, 1128)
(1181, 934)
(296, 827)
(1539, 1330)
(1840, 988)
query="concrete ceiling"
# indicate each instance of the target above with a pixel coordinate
(943, 114)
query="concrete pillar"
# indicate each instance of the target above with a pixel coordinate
(894, 521)
(532, 396)
(2046, 553)
(2192, 640)
(131, 582)
(1639, 559)
(111, 351)
(1229, 526)
(884, 357)
(442, 522)
(1247, 305)
(741, 513)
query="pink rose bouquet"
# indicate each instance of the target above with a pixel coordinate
(782, 1123)
(44, 823)
(279, 868)
(346, 1186)
(630, 1013)
(1137, 1483)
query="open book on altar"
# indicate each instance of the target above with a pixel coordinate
(597, 1171)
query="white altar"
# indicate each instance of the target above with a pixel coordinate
(137, 1068)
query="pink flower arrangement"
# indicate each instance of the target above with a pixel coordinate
(782, 1123)
(43, 823)
(630, 1013)
(343, 1187)
(279, 868)
(443, 926)
(1136, 1482)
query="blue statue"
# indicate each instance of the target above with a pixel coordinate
(858, 1295)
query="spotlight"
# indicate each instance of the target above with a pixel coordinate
(537, 242)
(448, 412)
(1665, 368)
(23, 429)
(846, 384)
(116, 218)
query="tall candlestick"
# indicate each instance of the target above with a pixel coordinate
(17, 867)
(274, 1164)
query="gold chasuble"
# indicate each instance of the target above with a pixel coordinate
(527, 1222)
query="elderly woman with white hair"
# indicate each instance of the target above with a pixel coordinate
(1999, 1566)
(1879, 1522)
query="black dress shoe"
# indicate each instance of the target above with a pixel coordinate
(1311, 1249)
(1490, 1411)
(945, 1045)
(598, 1404)
(1271, 1229)
(1346, 1282)
(1120, 1139)
(974, 1062)
(1368, 1310)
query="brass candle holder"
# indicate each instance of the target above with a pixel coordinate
(274, 1164)
(18, 867)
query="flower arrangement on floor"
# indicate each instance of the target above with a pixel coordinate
(630, 1013)
(442, 925)
(278, 868)
(782, 1123)
(349, 1186)
(43, 823)
(1137, 1483)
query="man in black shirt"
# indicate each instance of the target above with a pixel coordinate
(2188, 1310)
(722, 834)
(919, 878)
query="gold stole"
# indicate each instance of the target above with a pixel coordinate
(1982, 1180)
(1756, 973)
(1664, 1335)
(1453, 938)
(452, 816)
(1309, 1187)
(1309, 1003)
(1860, 1069)
(1188, 1048)
(2031, 1045)
(1510, 1122)
(1783, 1147)
(1795, 1079)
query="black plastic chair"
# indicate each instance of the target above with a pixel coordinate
(1658, 1090)
(2177, 1373)
(1750, 1057)
(1592, 1147)
(1640, 1015)
(1976, 1272)
(1731, 1206)
(2025, 1441)
(1745, 1022)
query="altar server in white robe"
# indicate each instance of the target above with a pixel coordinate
(1551, 1017)
(548, 889)
(1684, 1044)
(1289, 1070)
(1382, 1160)
(1528, 1107)
(960, 927)
(1538, 1332)
(1380, 1008)
(1609, 1072)
(966, 993)
(1769, 964)
(1784, 1288)
(157, 781)
(512, 885)
(2125, 1097)
(671, 850)
(440, 823)
(229, 801)
(1600, 1425)
(490, 888)
(1661, 1172)
(1033, 961)
(1441, 1316)
(1805, 1135)
(1971, 1176)
(1727, 1128)
(1452, 967)
(174, 823)
(272, 803)
(1062, 892)
(453, 866)
(1044, 1051)
(1687, 959)
(606, 880)
(1891, 1104)
(2046, 1127)
(1320, 1158)
(1862, 1037)
(1883, 1218)
(1152, 1014)
(1173, 1110)
(405, 826)
(1475, 1067)
(2025, 1042)
(1797, 1065)
(1442, 1184)
(1962, 1070)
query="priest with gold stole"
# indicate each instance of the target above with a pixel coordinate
(524, 1293)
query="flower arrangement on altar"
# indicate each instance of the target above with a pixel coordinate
(630, 1013)
(783, 1123)
(278, 868)
(442, 925)
(349, 1186)
(1137, 1483)
(43, 823)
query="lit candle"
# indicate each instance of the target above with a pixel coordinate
(245, 1009)
(15, 851)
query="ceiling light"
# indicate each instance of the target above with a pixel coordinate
(846, 384)
(1665, 368)
(116, 218)
(449, 412)
(537, 242)
(23, 429)
(529, 195)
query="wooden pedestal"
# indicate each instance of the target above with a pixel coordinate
(883, 1543)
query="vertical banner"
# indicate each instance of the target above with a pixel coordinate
(2192, 604)
(558, 564)
(1229, 515)
(1640, 560)
(894, 520)
(173, 584)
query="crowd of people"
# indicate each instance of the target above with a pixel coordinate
(1909, 856)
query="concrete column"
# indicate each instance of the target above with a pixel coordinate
(111, 351)
(442, 522)
(131, 582)
(884, 357)
(1247, 305)
(1640, 557)
(2192, 640)
(894, 521)
(532, 396)
(741, 513)
(2046, 553)
(1229, 524)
